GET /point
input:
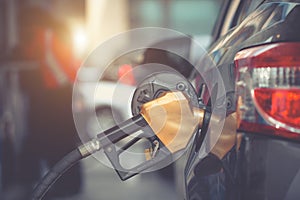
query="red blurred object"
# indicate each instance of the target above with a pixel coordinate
(52, 47)
(60, 63)
(126, 75)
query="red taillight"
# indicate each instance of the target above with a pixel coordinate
(268, 89)
(282, 105)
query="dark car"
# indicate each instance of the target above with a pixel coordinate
(257, 51)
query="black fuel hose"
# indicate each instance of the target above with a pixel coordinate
(62, 166)
(108, 137)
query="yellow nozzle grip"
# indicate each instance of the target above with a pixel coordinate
(172, 119)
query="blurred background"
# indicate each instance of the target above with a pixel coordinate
(42, 44)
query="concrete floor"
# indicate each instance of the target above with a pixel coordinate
(102, 182)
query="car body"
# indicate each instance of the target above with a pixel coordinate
(264, 162)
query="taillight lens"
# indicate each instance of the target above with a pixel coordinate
(268, 89)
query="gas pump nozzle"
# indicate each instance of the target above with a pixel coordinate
(169, 123)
